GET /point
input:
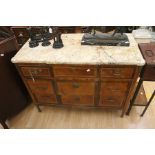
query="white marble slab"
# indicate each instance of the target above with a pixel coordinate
(75, 53)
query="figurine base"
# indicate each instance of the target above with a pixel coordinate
(57, 45)
(33, 44)
(105, 39)
(46, 43)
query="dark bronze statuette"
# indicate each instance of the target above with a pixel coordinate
(118, 38)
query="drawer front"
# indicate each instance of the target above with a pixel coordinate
(78, 100)
(41, 86)
(112, 100)
(113, 93)
(149, 73)
(124, 72)
(114, 86)
(34, 71)
(76, 87)
(46, 98)
(75, 71)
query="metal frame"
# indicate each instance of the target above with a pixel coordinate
(135, 96)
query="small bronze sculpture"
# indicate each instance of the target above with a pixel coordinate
(33, 42)
(46, 35)
(57, 37)
(115, 39)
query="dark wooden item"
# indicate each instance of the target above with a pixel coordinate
(147, 73)
(13, 95)
(21, 34)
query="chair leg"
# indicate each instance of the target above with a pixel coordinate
(134, 96)
(150, 100)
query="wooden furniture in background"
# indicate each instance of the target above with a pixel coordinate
(147, 73)
(13, 95)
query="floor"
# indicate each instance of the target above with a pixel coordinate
(52, 117)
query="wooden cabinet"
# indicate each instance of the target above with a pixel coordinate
(105, 86)
(21, 34)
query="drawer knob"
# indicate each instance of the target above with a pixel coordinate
(76, 85)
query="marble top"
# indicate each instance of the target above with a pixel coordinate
(75, 53)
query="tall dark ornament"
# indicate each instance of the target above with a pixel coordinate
(57, 38)
(33, 42)
(46, 36)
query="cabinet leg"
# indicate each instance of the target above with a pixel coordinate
(4, 124)
(39, 110)
(134, 96)
(122, 115)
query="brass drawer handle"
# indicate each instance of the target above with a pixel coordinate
(110, 100)
(35, 72)
(115, 90)
(76, 85)
(41, 87)
(116, 72)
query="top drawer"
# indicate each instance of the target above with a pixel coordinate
(118, 72)
(36, 71)
(74, 71)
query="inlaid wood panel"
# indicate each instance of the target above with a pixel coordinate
(118, 72)
(45, 98)
(74, 71)
(41, 86)
(114, 86)
(78, 100)
(76, 87)
(34, 71)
